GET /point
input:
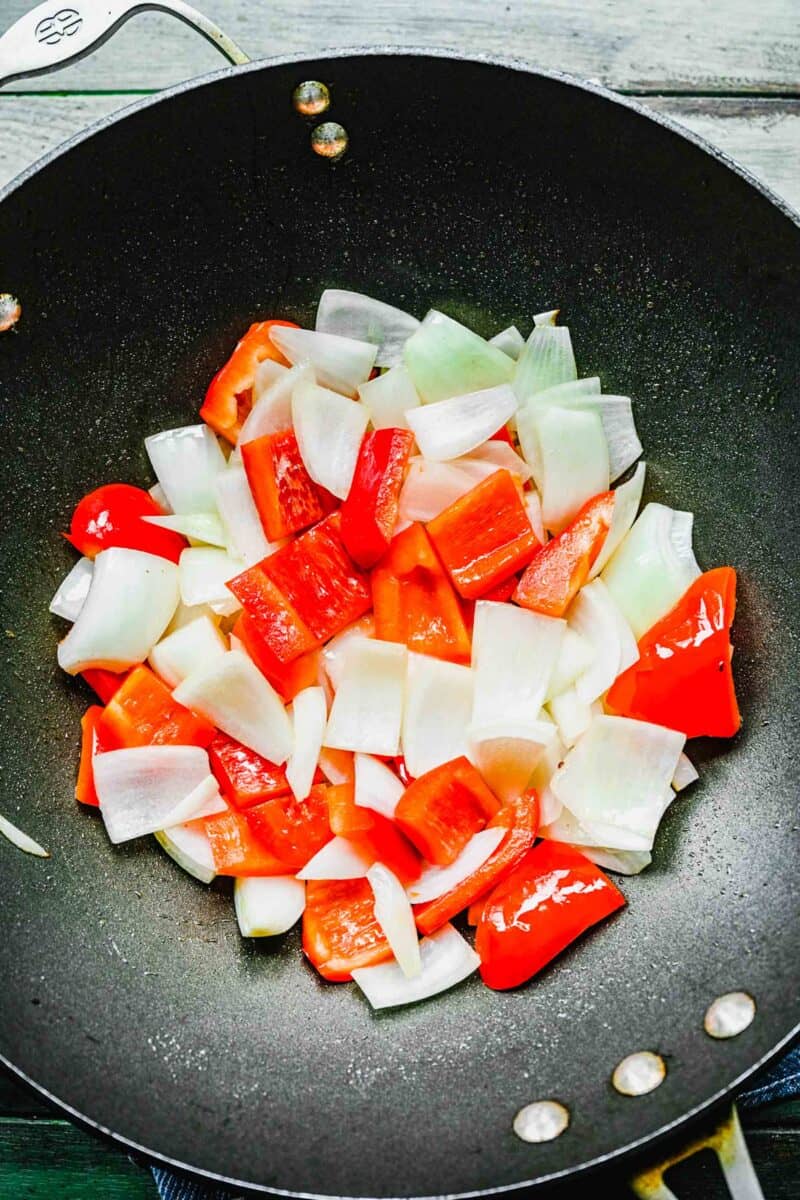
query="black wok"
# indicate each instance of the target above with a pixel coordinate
(491, 191)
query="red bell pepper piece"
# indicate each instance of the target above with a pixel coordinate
(244, 777)
(229, 396)
(338, 766)
(503, 435)
(285, 495)
(501, 592)
(560, 569)
(340, 931)
(236, 851)
(414, 600)
(112, 516)
(90, 745)
(142, 712)
(270, 614)
(441, 810)
(104, 683)
(344, 815)
(292, 830)
(485, 536)
(683, 678)
(287, 678)
(521, 818)
(373, 834)
(370, 511)
(547, 901)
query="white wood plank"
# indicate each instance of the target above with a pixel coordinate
(639, 45)
(764, 135)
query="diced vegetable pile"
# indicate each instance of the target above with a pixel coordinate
(383, 644)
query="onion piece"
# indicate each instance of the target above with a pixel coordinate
(268, 372)
(186, 462)
(510, 341)
(624, 862)
(494, 455)
(572, 715)
(615, 413)
(615, 779)
(514, 652)
(157, 493)
(574, 463)
(450, 428)
(368, 706)
(533, 507)
(340, 363)
(131, 601)
(685, 773)
(329, 429)
(353, 315)
(506, 754)
(547, 318)
(336, 765)
(200, 527)
(652, 567)
(21, 840)
(546, 361)
(244, 533)
(268, 905)
(232, 693)
(431, 487)
(338, 859)
(376, 786)
(389, 397)
(190, 647)
(186, 613)
(309, 714)
(272, 410)
(446, 359)
(73, 590)
(334, 654)
(204, 572)
(438, 881)
(203, 801)
(190, 848)
(575, 656)
(627, 498)
(446, 957)
(393, 914)
(595, 615)
(437, 713)
(140, 789)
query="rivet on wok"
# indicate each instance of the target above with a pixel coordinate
(639, 1073)
(541, 1121)
(311, 98)
(10, 311)
(329, 140)
(729, 1015)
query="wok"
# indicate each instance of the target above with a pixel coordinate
(139, 252)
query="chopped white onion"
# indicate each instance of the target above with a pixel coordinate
(368, 706)
(352, 315)
(510, 341)
(189, 847)
(186, 462)
(335, 653)
(506, 754)
(447, 959)
(140, 789)
(338, 859)
(624, 862)
(450, 428)
(624, 446)
(21, 840)
(334, 767)
(574, 658)
(204, 572)
(546, 360)
(272, 411)
(685, 773)
(552, 757)
(244, 533)
(615, 413)
(190, 647)
(329, 429)
(232, 693)
(572, 715)
(309, 714)
(376, 786)
(437, 713)
(389, 397)
(131, 601)
(340, 363)
(446, 359)
(431, 487)
(203, 801)
(268, 372)
(627, 498)
(160, 496)
(268, 905)
(574, 463)
(533, 507)
(494, 455)
(564, 827)
(652, 567)
(547, 318)
(199, 527)
(393, 914)
(73, 590)
(514, 652)
(186, 613)
(438, 881)
(595, 615)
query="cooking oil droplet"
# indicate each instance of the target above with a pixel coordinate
(10, 311)
(310, 98)
(329, 140)
(639, 1073)
(729, 1015)
(541, 1121)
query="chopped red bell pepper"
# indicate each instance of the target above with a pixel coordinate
(340, 930)
(285, 495)
(372, 833)
(292, 830)
(236, 851)
(229, 396)
(344, 815)
(414, 600)
(142, 712)
(503, 435)
(244, 777)
(546, 902)
(560, 569)
(369, 513)
(501, 592)
(683, 678)
(287, 678)
(112, 516)
(441, 810)
(90, 745)
(521, 818)
(104, 683)
(485, 536)
(270, 614)
(338, 766)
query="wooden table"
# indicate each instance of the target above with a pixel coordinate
(729, 70)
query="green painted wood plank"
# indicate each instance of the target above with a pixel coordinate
(43, 1159)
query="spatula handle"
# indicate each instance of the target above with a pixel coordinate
(727, 1142)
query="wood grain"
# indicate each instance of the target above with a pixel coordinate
(638, 45)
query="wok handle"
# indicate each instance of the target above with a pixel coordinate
(727, 1142)
(57, 32)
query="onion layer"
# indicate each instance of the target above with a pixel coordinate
(447, 959)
